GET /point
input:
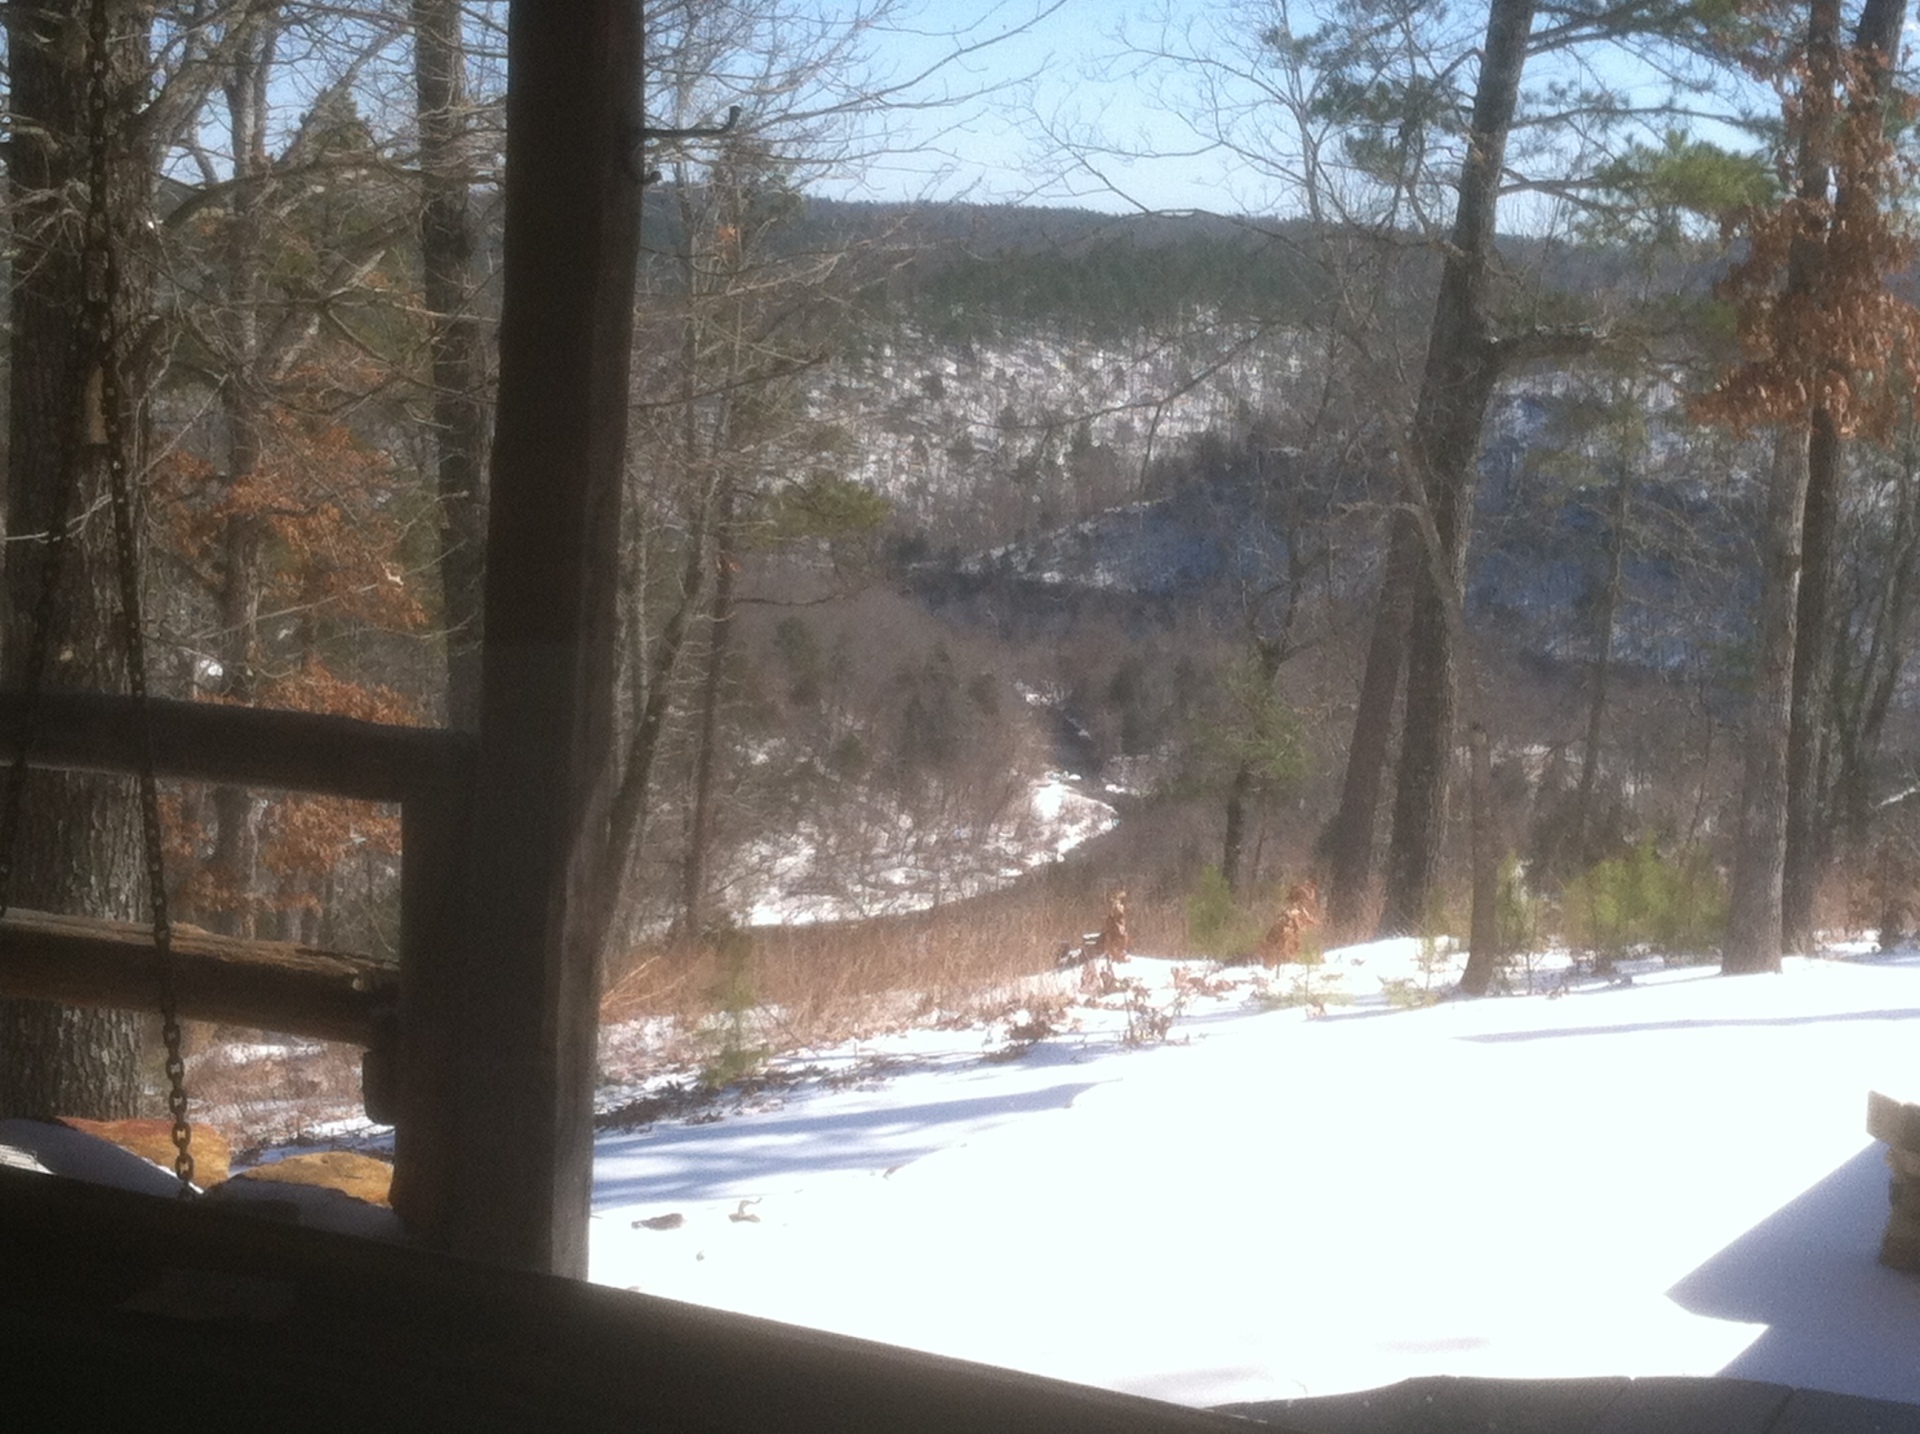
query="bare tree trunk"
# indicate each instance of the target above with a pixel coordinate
(703, 824)
(1602, 670)
(1862, 690)
(1804, 857)
(633, 797)
(1456, 386)
(1808, 838)
(1270, 651)
(1350, 838)
(1754, 914)
(1483, 956)
(78, 847)
(447, 247)
(1234, 839)
(236, 851)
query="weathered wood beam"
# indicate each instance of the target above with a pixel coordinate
(275, 985)
(418, 1341)
(236, 746)
(509, 1171)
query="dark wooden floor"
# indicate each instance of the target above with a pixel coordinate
(124, 1311)
(1589, 1406)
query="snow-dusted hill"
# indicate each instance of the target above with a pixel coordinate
(1047, 441)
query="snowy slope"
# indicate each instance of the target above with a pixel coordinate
(1666, 1178)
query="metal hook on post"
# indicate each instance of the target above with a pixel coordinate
(645, 135)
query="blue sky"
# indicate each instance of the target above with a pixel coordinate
(1068, 69)
(1057, 68)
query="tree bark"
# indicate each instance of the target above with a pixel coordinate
(653, 699)
(77, 850)
(703, 824)
(1803, 860)
(1483, 956)
(1602, 671)
(236, 851)
(1456, 386)
(1809, 842)
(1269, 652)
(1754, 912)
(1234, 839)
(501, 1113)
(1866, 668)
(455, 341)
(1350, 838)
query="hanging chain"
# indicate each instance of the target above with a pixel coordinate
(102, 276)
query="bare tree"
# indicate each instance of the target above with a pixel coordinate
(799, 97)
(77, 848)
(1352, 115)
(449, 263)
(1875, 43)
(1819, 331)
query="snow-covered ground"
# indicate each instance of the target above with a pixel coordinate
(1664, 1176)
(889, 866)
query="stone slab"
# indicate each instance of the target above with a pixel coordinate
(1896, 1122)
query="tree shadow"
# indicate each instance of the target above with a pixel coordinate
(719, 1160)
(1836, 1319)
(1500, 1038)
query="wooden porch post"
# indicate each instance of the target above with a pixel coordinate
(517, 1168)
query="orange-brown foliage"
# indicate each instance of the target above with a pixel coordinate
(1834, 337)
(324, 505)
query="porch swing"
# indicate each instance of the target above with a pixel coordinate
(83, 961)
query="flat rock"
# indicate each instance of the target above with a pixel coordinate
(1896, 1122)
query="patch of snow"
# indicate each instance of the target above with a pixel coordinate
(797, 879)
(1661, 1173)
(61, 1150)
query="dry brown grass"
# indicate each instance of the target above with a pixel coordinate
(1850, 903)
(829, 981)
(258, 1088)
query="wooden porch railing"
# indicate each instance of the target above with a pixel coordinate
(389, 1010)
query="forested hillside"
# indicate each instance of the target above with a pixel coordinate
(960, 537)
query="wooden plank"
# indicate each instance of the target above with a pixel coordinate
(424, 1079)
(1694, 1406)
(237, 746)
(118, 1296)
(1446, 1405)
(276, 985)
(534, 893)
(1814, 1411)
